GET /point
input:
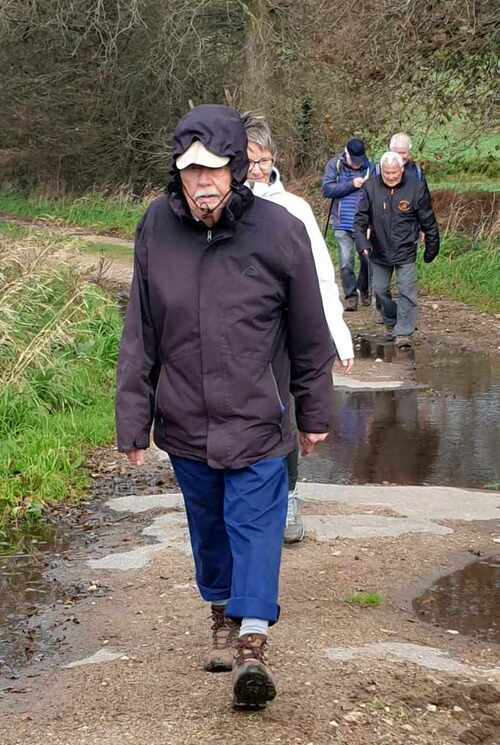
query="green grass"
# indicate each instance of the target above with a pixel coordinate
(95, 211)
(108, 250)
(464, 270)
(463, 184)
(365, 599)
(58, 347)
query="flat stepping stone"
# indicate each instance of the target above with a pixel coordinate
(356, 384)
(418, 654)
(326, 528)
(171, 531)
(142, 503)
(416, 502)
(102, 655)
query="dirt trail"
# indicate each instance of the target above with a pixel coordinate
(151, 618)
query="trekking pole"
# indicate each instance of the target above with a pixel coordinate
(328, 220)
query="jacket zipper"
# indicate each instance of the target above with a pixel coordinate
(209, 236)
(282, 406)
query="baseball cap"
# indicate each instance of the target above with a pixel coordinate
(197, 154)
(356, 150)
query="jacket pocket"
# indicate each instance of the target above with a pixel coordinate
(276, 389)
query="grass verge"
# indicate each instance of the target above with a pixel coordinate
(58, 346)
(467, 270)
(99, 213)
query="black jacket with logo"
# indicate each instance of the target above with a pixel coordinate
(395, 217)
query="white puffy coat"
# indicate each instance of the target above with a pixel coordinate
(333, 309)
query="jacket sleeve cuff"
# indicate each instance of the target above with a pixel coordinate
(139, 444)
(312, 428)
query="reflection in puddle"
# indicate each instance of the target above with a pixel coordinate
(467, 600)
(447, 435)
(24, 588)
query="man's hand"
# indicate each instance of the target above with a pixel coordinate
(358, 182)
(308, 441)
(136, 457)
(345, 366)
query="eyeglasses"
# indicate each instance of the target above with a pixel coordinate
(265, 164)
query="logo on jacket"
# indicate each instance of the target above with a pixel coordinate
(250, 271)
(404, 206)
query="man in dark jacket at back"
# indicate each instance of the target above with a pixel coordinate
(344, 178)
(395, 209)
(224, 320)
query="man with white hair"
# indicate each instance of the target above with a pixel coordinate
(395, 208)
(401, 144)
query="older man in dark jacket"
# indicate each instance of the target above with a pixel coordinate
(225, 318)
(395, 209)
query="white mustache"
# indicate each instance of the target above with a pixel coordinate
(205, 195)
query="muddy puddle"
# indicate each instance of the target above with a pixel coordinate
(447, 433)
(467, 600)
(25, 587)
(31, 565)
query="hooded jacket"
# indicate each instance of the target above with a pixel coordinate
(395, 217)
(217, 331)
(333, 308)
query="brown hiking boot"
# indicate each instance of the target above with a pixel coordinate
(366, 298)
(351, 303)
(224, 635)
(253, 685)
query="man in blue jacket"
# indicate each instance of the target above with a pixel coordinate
(344, 177)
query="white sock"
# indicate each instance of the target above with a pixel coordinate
(254, 626)
(220, 603)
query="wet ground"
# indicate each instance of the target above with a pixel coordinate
(447, 432)
(28, 585)
(466, 601)
(25, 587)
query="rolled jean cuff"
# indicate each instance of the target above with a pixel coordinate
(253, 608)
(212, 596)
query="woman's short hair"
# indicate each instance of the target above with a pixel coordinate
(258, 131)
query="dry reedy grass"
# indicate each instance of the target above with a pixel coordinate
(41, 302)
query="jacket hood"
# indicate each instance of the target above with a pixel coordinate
(222, 132)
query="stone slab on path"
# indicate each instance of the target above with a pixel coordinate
(137, 503)
(326, 528)
(415, 502)
(344, 382)
(169, 530)
(419, 506)
(418, 654)
(102, 655)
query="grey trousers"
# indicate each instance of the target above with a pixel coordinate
(347, 254)
(399, 314)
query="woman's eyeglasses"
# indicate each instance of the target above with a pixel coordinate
(265, 164)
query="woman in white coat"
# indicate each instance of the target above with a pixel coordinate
(265, 181)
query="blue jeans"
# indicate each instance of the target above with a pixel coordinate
(347, 253)
(399, 314)
(236, 522)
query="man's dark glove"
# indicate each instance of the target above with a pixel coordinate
(429, 256)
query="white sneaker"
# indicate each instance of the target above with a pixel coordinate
(294, 529)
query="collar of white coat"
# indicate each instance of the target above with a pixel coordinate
(275, 186)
